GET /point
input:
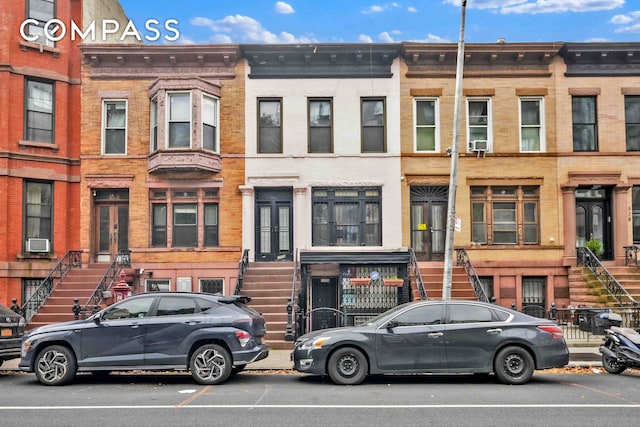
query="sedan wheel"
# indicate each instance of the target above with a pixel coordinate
(55, 365)
(348, 366)
(210, 364)
(611, 365)
(513, 365)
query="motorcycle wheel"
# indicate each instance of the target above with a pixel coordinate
(612, 366)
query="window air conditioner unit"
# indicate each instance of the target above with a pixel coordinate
(479, 145)
(37, 245)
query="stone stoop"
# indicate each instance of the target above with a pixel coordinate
(78, 283)
(269, 286)
(432, 276)
(585, 290)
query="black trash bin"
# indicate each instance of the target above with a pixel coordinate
(604, 321)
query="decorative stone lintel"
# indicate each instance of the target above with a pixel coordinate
(189, 160)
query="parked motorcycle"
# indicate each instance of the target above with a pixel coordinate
(621, 348)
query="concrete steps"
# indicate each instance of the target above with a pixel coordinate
(432, 275)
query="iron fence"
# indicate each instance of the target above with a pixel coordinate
(583, 324)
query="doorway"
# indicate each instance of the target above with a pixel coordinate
(274, 225)
(429, 222)
(324, 303)
(594, 218)
(111, 224)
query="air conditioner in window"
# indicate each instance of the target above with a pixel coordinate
(479, 145)
(37, 245)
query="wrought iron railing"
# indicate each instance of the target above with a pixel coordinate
(631, 256)
(415, 271)
(463, 259)
(583, 324)
(242, 266)
(289, 334)
(123, 259)
(587, 258)
(71, 260)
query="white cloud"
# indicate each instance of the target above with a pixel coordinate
(412, 9)
(379, 8)
(629, 23)
(541, 6)
(363, 38)
(385, 37)
(374, 9)
(283, 8)
(244, 29)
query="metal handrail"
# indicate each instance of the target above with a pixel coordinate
(70, 260)
(463, 259)
(631, 255)
(588, 259)
(342, 314)
(413, 265)
(123, 259)
(289, 334)
(242, 266)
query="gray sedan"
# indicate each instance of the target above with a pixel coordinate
(458, 337)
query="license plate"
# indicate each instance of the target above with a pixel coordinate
(7, 332)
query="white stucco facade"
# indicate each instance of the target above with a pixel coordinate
(346, 166)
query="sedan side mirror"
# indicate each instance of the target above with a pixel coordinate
(392, 324)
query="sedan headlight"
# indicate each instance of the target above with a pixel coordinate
(314, 343)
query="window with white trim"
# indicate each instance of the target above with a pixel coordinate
(426, 118)
(42, 11)
(153, 120)
(39, 105)
(210, 115)
(114, 127)
(373, 125)
(179, 116)
(479, 124)
(532, 132)
(38, 211)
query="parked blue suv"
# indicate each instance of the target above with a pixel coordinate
(212, 336)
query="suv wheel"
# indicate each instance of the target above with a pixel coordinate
(210, 364)
(55, 365)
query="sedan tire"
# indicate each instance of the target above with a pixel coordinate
(348, 366)
(55, 365)
(210, 364)
(513, 365)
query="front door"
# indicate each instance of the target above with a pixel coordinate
(111, 225)
(324, 302)
(593, 219)
(274, 225)
(428, 222)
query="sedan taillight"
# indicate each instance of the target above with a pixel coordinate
(555, 331)
(243, 337)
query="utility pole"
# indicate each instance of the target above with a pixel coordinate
(453, 177)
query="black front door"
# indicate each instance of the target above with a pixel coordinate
(324, 302)
(428, 222)
(274, 225)
(594, 219)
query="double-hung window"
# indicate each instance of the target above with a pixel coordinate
(632, 122)
(153, 120)
(210, 123)
(179, 119)
(269, 126)
(320, 126)
(114, 119)
(479, 124)
(347, 216)
(39, 110)
(373, 125)
(38, 210)
(585, 126)
(635, 208)
(505, 215)
(426, 125)
(41, 11)
(532, 134)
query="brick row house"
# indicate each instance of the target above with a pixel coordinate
(324, 164)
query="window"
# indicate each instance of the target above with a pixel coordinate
(178, 217)
(176, 306)
(157, 285)
(114, 119)
(373, 125)
(269, 126)
(532, 135)
(179, 120)
(421, 315)
(212, 286)
(585, 128)
(209, 123)
(426, 127)
(635, 207)
(632, 122)
(466, 313)
(320, 129)
(347, 217)
(533, 296)
(487, 285)
(479, 124)
(153, 120)
(38, 208)
(129, 309)
(40, 110)
(42, 11)
(506, 215)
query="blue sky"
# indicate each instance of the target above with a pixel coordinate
(353, 21)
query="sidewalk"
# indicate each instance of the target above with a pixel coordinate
(280, 359)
